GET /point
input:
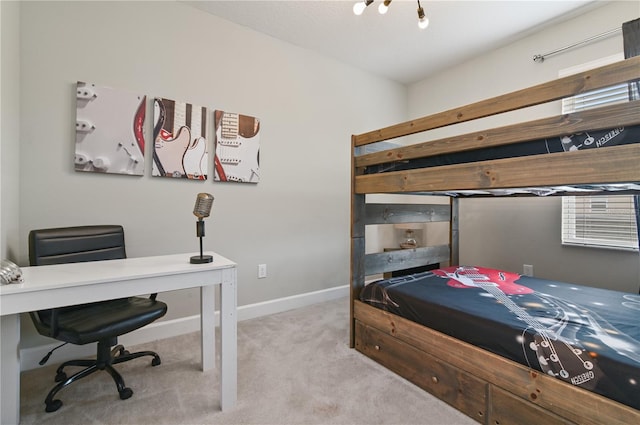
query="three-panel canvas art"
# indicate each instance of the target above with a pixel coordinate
(111, 137)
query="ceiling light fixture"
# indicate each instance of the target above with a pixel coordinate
(359, 7)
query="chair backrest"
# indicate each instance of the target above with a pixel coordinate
(71, 245)
(76, 244)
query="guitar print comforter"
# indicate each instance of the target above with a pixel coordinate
(587, 337)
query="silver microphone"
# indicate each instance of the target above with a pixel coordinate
(203, 205)
(202, 209)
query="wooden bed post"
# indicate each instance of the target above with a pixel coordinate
(357, 245)
(454, 231)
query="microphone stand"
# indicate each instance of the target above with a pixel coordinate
(202, 259)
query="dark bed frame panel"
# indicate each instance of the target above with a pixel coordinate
(486, 387)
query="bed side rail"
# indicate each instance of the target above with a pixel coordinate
(615, 164)
(391, 261)
(405, 213)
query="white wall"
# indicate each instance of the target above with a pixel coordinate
(9, 128)
(507, 233)
(296, 220)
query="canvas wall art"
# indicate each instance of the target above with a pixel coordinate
(110, 135)
(179, 140)
(237, 152)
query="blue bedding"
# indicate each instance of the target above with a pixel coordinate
(587, 337)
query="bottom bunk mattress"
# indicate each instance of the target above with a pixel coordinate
(588, 337)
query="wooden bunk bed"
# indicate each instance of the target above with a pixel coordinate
(485, 386)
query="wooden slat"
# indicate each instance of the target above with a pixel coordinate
(613, 116)
(616, 164)
(404, 259)
(619, 72)
(573, 403)
(406, 213)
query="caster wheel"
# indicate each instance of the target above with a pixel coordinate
(60, 376)
(126, 393)
(156, 361)
(119, 351)
(53, 406)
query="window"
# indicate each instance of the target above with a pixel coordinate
(599, 221)
(606, 221)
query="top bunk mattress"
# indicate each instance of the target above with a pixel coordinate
(587, 337)
(572, 142)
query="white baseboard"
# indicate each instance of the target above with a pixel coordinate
(29, 357)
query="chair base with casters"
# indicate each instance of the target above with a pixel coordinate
(100, 322)
(105, 360)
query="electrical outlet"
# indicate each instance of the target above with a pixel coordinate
(527, 269)
(262, 271)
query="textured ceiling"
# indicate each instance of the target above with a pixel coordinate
(392, 45)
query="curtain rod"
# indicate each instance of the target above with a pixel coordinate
(540, 58)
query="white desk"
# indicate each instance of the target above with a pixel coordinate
(78, 283)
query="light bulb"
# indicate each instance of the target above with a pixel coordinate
(358, 8)
(423, 21)
(384, 6)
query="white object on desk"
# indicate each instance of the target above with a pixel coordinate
(78, 283)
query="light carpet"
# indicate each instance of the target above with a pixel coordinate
(293, 368)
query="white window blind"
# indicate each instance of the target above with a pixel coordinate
(606, 221)
(599, 221)
(593, 99)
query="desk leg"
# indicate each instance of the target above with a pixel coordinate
(208, 326)
(10, 368)
(228, 337)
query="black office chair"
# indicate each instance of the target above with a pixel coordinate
(100, 322)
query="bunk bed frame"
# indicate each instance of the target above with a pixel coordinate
(484, 386)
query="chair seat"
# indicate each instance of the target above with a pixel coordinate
(107, 319)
